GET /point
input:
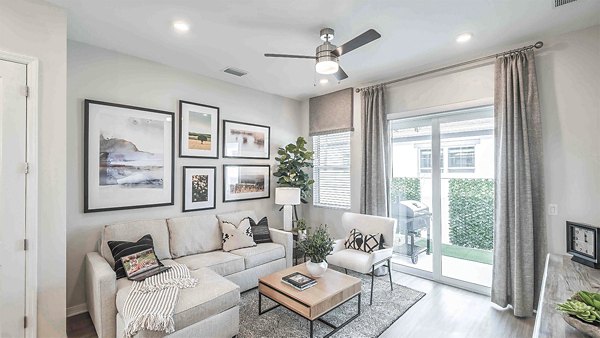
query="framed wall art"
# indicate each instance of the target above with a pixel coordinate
(199, 188)
(246, 182)
(198, 130)
(128, 157)
(246, 140)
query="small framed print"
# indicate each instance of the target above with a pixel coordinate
(198, 130)
(128, 157)
(246, 140)
(199, 188)
(246, 182)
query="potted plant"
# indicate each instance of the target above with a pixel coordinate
(301, 229)
(316, 247)
(293, 159)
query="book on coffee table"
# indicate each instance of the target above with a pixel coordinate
(299, 281)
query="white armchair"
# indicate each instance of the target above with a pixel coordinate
(360, 261)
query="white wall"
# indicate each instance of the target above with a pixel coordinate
(569, 83)
(568, 70)
(36, 29)
(101, 74)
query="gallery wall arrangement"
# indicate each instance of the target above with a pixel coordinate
(129, 157)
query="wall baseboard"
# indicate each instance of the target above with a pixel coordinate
(77, 309)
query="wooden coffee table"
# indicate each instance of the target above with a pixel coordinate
(332, 290)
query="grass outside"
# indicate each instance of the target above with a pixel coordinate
(469, 254)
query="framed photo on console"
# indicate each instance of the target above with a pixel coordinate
(246, 140)
(128, 157)
(199, 188)
(198, 130)
(246, 182)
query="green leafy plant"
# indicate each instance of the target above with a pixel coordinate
(317, 245)
(293, 159)
(301, 224)
(583, 305)
(406, 188)
(471, 212)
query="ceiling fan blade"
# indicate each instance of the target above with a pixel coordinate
(340, 74)
(291, 56)
(357, 42)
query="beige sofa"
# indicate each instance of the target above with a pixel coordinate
(211, 309)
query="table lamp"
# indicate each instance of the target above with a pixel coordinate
(287, 197)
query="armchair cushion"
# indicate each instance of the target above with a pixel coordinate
(357, 260)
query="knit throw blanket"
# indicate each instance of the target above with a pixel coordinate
(151, 303)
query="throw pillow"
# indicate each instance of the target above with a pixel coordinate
(372, 242)
(355, 240)
(120, 249)
(260, 231)
(237, 236)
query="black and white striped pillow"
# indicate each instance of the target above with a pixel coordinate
(121, 249)
(260, 231)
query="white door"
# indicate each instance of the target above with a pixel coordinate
(13, 123)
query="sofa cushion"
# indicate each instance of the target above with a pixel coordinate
(223, 263)
(131, 232)
(260, 254)
(237, 216)
(260, 231)
(237, 236)
(194, 234)
(212, 295)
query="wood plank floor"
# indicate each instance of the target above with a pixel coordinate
(444, 312)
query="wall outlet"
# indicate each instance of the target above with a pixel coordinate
(552, 209)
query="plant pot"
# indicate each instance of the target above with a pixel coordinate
(316, 269)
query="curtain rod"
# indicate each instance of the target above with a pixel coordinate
(536, 45)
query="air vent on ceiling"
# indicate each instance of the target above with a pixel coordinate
(558, 3)
(236, 71)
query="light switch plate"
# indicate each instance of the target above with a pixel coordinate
(552, 209)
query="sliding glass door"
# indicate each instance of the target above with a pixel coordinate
(442, 194)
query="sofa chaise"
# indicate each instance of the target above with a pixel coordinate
(211, 309)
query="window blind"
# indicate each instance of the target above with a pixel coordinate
(331, 113)
(331, 170)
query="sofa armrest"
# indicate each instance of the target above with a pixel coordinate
(286, 239)
(338, 245)
(101, 290)
(379, 256)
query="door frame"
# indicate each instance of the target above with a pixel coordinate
(436, 274)
(31, 187)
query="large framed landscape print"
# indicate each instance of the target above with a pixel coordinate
(198, 130)
(129, 157)
(246, 182)
(245, 140)
(199, 188)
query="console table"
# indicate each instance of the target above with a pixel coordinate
(562, 278)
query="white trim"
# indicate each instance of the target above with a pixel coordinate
(77, 309)
(31, 203)
(487, 101)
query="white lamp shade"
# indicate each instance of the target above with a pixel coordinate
(287, 196)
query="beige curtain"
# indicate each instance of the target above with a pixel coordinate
(519, 229)
(374, 185)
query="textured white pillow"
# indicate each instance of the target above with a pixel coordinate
(237, 236)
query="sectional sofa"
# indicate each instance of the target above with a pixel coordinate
(211, 309)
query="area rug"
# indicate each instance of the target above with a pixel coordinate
(387, 307)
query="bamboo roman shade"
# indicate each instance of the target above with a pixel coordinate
(331, 113)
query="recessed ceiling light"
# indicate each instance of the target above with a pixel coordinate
(323, 81)
(181, 26)
(464, 37)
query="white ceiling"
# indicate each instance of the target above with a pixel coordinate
(415, 34)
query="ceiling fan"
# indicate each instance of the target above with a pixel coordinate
(327, 54)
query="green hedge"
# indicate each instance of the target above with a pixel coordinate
(406, 188)
(471, 204)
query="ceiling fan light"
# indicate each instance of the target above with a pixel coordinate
(327, 67)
